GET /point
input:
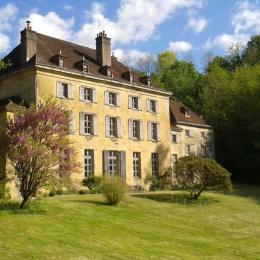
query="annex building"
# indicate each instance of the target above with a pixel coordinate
(120, 123)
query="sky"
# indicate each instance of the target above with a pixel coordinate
(190, 28)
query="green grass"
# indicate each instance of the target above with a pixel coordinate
(160, 225)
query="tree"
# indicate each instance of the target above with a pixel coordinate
(4, 65)
(198, 174)
(38, 147)
(251, 54)
(183, 80)
(146, 64)
(164, 61)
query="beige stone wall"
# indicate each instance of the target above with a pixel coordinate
(20, 83)
(46, 85)
(196, 140)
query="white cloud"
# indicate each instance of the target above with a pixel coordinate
(51, 24)
(225, 41)
(247, 18)
(68, 7)
(180, 46)
(4, 43)
(135, 21)
(129, 57)
(8, 13)
(198, 25)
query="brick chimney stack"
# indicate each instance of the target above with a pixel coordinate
(28, 43)
(103, 49)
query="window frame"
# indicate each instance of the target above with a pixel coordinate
(137, 165)
(88, 162)
(155, 164)
(113, 163)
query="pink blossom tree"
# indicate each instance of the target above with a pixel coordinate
(39, 148)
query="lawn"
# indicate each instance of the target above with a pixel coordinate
(157, 225)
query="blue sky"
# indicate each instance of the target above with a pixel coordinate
(191, 28)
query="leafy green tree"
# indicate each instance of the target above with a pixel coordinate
(251, 54)
(164, 61)
(198, 174)
(183, 80)
(4, 65)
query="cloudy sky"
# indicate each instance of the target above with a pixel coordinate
(190, 28)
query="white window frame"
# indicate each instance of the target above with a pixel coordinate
(64, 90)
(137, 165)
(91, 124)
(88, 162)
(113, 163)
(190, 149)
(113, 127)
(189, 131)
(152, 105)
(155, 164)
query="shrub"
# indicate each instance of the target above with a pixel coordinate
(52, 193)
(59, 192)
(92, 183)
(4, 191)
(81, 192)
(160, 182)
(198, 174)
(113, 188)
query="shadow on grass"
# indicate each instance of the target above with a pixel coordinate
(13, 207)
(92, 202)
(247, 191)
(178, 198)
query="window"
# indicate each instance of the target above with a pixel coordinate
(155, 164)
(187, 114)
(137, 164)
(88, 124)
(136, 129)
(152, 106)
(188, 133)
(174, 159)
(153, 131)
(88, 94)
(204, 135)
(61, 62)
(114, 163)
(113, 127)
(203, 150)
(85, 67)
(64, 90)
(190, 149)
(174, 138)
(112, 98)
(135, 102)
(88, 162)
(109, 73)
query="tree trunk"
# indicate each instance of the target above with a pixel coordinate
(25, 202)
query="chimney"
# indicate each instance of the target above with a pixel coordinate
(28, 43)
(147, 80)
(103, 49)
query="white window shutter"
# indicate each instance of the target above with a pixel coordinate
(148, 105)
(82, 123)
(94, 93)
(157, 107)
(130, 128)
(119, 130)
(95, 125)
(149, 133)
(117, 99)
(70, 91)
(106, 97)
(59, 89)
(81, 90)
(158, 132)
(107, 126)
(141, 130)
(123, 164)
(130, 102)
(71, 122)
(105, 162)
(139, 103)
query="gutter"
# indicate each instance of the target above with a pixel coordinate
(193, 124)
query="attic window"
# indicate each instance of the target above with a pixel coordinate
(61, 62)
(186, 112)
(85, 67)
(132, 78)
(109, 73)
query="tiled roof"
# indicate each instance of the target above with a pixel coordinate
(49, 47)
(177, 115)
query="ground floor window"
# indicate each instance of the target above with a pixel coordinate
(113, 163)
(137, 164)
(155, 164)
(88, 162)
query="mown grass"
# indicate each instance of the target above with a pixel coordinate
(160, 225)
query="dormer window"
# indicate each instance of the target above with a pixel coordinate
(109, 73)
(85, 67)
(61, 62)
(132, 79)
(187, 114)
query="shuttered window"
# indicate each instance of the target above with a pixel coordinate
(112, 98)
(153, 131)
(137, 164)
(152, 105)
(155, 164)
(88, 94)
(88, 124)
(88, 162)
(113, 126)
(64, 90)
(135, 129)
